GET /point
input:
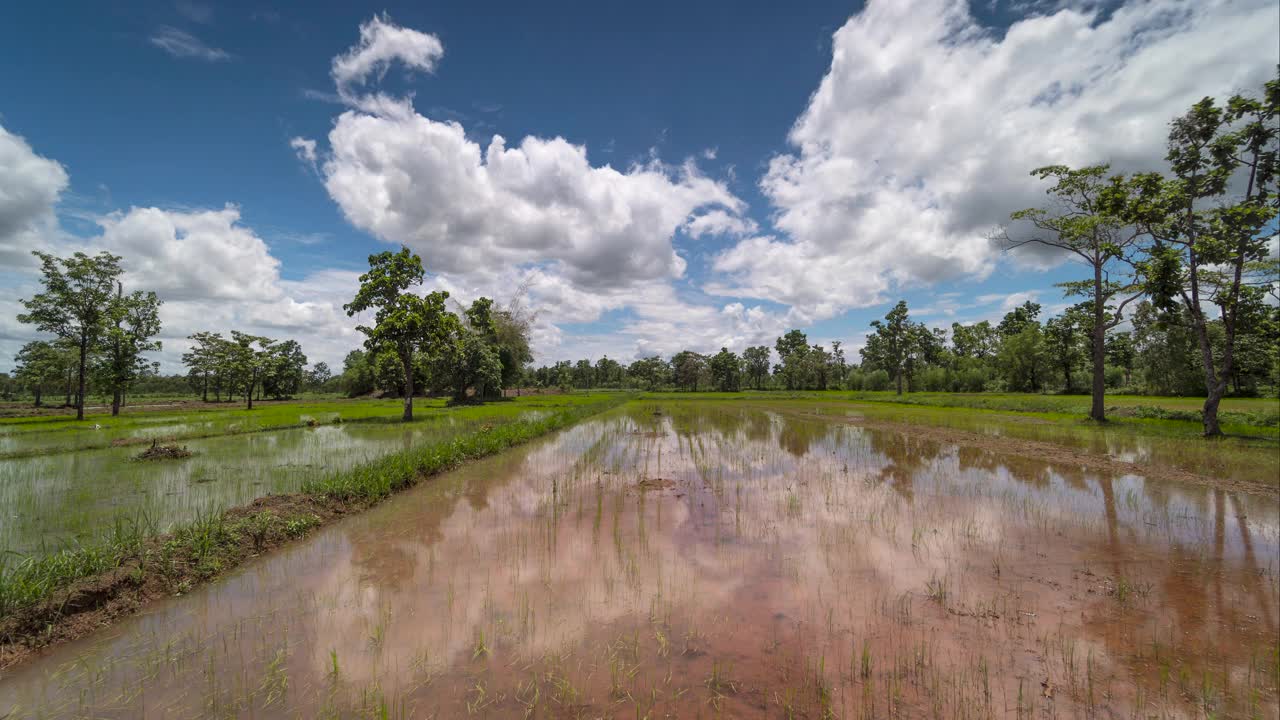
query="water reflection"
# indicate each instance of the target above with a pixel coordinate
(51, 500)
(687, 560)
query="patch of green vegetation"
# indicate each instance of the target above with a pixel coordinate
(27, 436)
(205, 545)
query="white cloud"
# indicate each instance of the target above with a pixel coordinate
(719, 222)
(29, 188)
(182, 44)
(920, 136)
(381, 44)
(589, 238)
(305, 149)
(211, 271)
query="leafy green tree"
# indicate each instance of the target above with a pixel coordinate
(1017, 319)
(40, 364)
(320, 375)
(134, 320)
(756, 364)
(793, 351)
(688, 368)
(247, 362)
(608, 373)
(75, 305)
(203, 361)
(726, 370)
(1062, 342)
(1121, 353)
(1022, 359)
(1089, 222)
(978, 341)
(652, 372)
(284, 370)
(1209, 220)
(893, 344)
(403, 321)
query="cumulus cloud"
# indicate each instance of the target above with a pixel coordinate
(182, 44)
(29, 188)
(719, 222)
(919, 138)
(211, 271)
(593, 238)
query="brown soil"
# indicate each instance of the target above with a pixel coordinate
(655, 484)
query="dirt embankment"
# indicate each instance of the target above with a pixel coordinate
(164, 565)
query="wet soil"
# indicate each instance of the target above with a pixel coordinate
(793, 567)
(1058, 453)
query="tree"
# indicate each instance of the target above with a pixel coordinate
(1022, 359)
(726, 370)
(135, 319)
(892, 344)
(320, 375)
(756, 361)
(1090, 223)
(1017, 319)
(284, 370)
(652, 372)
(1120, 352)
(247, 362)
(1209, 221)
(403, 322)
(792, 349)
(40, 363)
(203, 360)
(75, 305)
(688, 367)
(978, 341)
(1062, 342)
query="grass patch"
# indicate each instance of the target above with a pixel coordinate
(64, 594)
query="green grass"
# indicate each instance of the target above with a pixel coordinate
(1250, 454)
(203, 542)
(1239, 416)
(38, 435)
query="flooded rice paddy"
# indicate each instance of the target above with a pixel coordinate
(720, 560)
(51, 500)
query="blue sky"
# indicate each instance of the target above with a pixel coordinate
(839, 156)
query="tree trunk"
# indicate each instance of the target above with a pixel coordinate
(115, 403)
(899, 375)
(84, 354)
(406, 360)
(1098, 411)
(253, 380)
(204, 391)
(1211, 426)
(38, 394)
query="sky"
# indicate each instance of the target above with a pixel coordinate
(651, 177)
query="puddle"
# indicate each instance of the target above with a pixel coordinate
(782, 566)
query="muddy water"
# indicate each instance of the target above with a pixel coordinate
(49, 501)
(700, 561)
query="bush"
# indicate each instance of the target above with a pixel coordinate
(877, 380)
(1115, 377)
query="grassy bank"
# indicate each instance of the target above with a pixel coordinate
(1248, 458)
(66, 594)
(28, 436)
(1240, 416)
